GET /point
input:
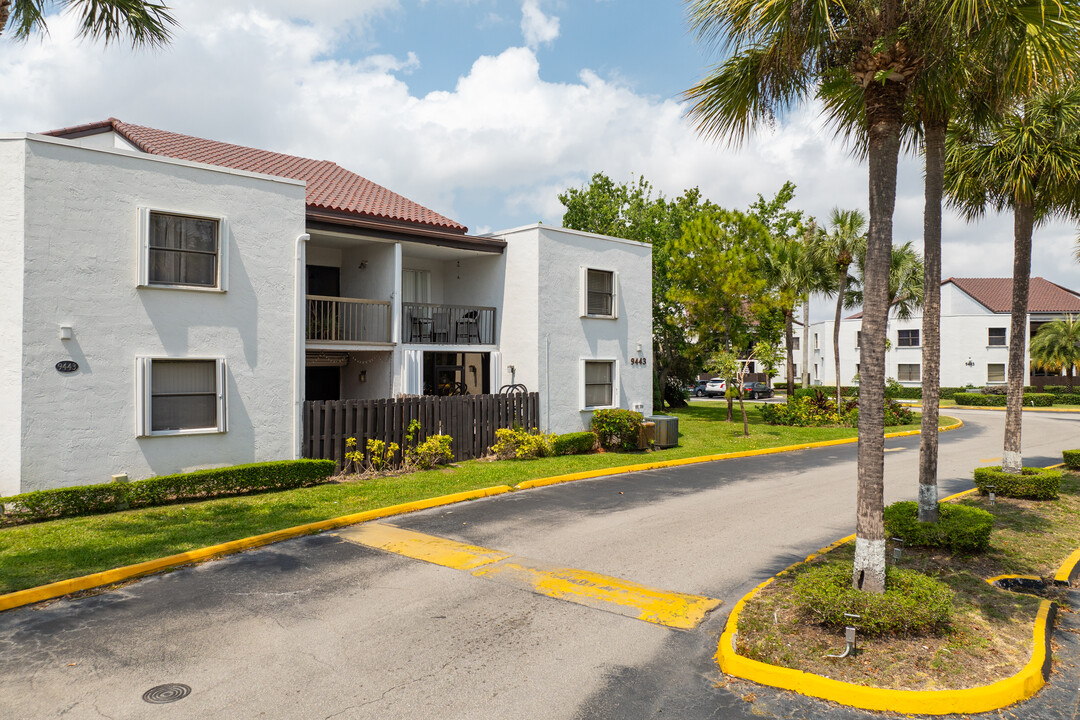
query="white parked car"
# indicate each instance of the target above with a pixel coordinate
(715, 387)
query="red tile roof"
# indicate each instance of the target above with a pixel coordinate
(329, 186)
(996, 294)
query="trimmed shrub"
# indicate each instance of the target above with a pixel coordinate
(947, 393)
(959, 527)
(617, 428)
(979, 400)
(522, 445)
(198, 485)
(912, 604)
(1067, 399)
(828, 390)
(1038, 399)
(575, 443)
(1056, 389)
(1029, 484)
(1072, 459)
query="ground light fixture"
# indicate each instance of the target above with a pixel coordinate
(849, 637)
(993, 495)
(898, 549)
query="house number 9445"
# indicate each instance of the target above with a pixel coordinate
(638, 361)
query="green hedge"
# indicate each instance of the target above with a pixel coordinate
(959, 527)
(828, 390)
(617, 428)
(1030, 399)
(575, 443)
(912, 604)
(1067, 399)
(201, 484)
(1029, 484)
(1072, 459)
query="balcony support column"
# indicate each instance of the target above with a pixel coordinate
(395, 299)
(300, 342)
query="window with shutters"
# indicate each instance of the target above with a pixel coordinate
(181, 251)
(179, 396)
(599, 293)
(995, 373)
(598, 384)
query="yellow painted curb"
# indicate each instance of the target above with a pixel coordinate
(1020, 686)
(1002, 409)
(108, 577)
(556, 479)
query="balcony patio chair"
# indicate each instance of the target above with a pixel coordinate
(440, 326)
(468, 327)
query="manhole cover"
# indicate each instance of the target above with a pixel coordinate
(170, 692)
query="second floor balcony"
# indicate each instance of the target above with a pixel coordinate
(435, 324)
(347, 321)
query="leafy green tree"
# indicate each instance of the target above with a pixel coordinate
(632, 212)
(1056, 346)
(1027, 161)
(143, 23)
(717, 278)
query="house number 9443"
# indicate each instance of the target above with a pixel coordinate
(638, 361)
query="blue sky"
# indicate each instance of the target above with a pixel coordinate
(483, 110)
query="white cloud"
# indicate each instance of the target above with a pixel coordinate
(538, 28)
(492, 152)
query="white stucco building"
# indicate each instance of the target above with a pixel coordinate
(975, 320)
(170, 302)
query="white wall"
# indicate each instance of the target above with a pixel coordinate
(563, 337)
(378, 376)
(519, 319)
(12, 166)
(81, 270)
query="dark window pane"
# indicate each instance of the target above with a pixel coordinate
(183, 250)
(183, 394)
(996, 336)
(908, 338)
(600, 289)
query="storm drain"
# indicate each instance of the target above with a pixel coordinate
(170, 692)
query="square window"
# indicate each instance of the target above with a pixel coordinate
(995, 373)
(181, 251)
(907, 338)
(908, 372)
(599, 378)
(599, 293)
(795, 343)
(181, 395)
(995, 337)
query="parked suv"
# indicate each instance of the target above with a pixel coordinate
(715, 387)
(698, 389)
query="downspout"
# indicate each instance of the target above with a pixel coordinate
(299, 341)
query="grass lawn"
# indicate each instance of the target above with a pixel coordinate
(991, 633)
(40, 553)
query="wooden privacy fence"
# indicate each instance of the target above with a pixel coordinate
(471, 420)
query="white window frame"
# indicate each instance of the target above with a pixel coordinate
(585, 292)
(143, 234)
(614, 383)
(1005, 338)
(918, 338)
(143, 415)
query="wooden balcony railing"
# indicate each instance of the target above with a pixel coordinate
(447, 324)
(347, 320)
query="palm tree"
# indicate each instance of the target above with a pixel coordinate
(905, 282)
(782, 51)
(1027, 161)
(1056, 346)
(143, 23)
(839, 248)
(793, 272)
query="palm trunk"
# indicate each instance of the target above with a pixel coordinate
(884, 105)
(836, 330)
(804, 376)
(1023, 225)
(789, 340)
(5, 13)
(931, 322)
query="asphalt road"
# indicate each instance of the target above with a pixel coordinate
(321, 627)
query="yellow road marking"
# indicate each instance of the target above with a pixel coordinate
(986, 460)
(602, 592)
(419, 546)
(894, 449)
